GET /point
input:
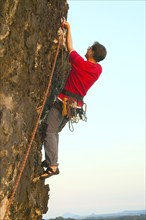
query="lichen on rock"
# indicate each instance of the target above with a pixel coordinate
(27, 50)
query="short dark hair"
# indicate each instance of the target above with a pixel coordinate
(99, 51)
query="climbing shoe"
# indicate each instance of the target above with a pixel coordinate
(48, 173)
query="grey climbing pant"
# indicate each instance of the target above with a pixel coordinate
(55, 123)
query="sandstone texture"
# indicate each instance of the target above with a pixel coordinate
(28, 32)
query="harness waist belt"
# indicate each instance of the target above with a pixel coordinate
(72, 95)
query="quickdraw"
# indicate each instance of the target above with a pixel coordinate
(72, 112)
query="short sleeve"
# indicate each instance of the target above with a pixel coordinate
(75, 58)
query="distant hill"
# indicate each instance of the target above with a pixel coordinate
(125, 215)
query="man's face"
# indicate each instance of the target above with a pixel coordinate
(89, 53)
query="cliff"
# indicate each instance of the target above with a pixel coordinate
(27, 51)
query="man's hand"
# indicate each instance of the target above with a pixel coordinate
(66, 25)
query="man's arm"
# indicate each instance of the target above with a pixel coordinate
(69, 41)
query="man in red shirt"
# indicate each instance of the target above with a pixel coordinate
(70, 101)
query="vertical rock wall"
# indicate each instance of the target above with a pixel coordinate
(27, 49)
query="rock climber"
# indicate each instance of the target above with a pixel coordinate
(82, 76)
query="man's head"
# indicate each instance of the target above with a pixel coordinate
(97, 51)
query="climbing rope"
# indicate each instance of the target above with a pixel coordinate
(35, 130)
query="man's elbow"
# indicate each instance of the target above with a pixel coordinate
(70, 49)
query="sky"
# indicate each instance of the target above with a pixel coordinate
(102, 163)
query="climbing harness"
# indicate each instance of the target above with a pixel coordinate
(72, 112)
(35, 129)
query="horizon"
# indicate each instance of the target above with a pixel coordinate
(113, 214)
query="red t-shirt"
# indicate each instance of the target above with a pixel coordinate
(82, 75)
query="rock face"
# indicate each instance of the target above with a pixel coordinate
(27, 50)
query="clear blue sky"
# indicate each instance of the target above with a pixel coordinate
(102, 162)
